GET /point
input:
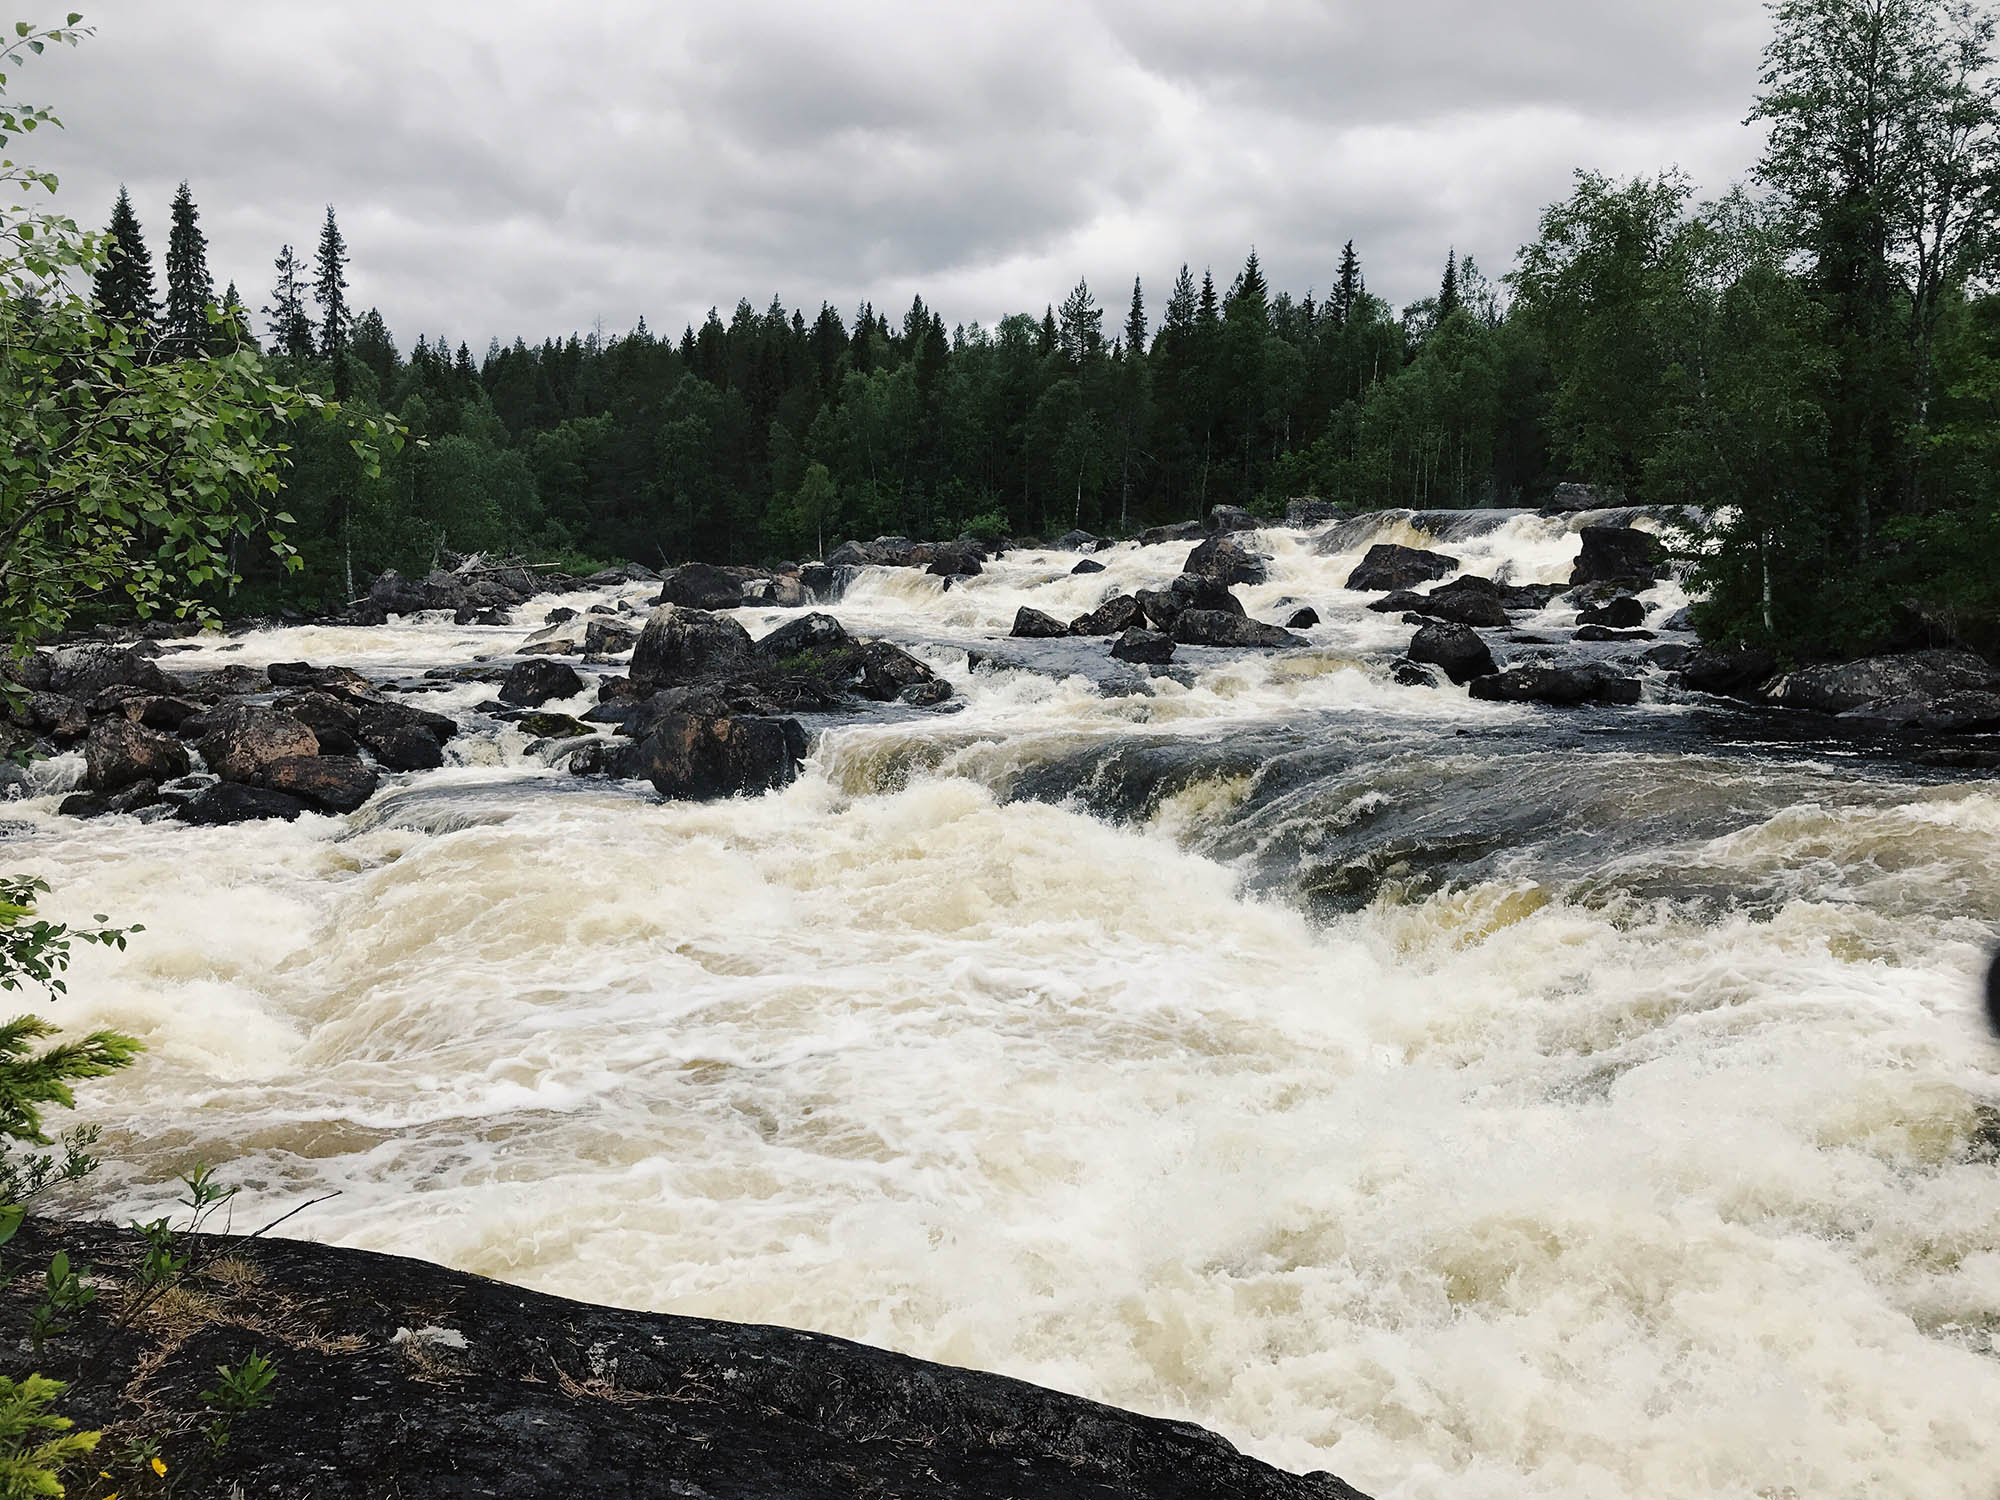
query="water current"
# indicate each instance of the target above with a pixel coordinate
(1477, 1100)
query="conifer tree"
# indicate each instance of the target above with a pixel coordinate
(291, 330)
(184, 332)
(330, 291)
(1135, 323)
(123, 285)
(1348, 288)
(238, 333)
(1449, 300)
(1080, 328)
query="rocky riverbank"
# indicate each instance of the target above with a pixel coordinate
(400, 1379)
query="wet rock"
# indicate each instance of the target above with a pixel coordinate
(1727, 671)
(1457, 649)
(1109, 618)
(1033, 625)
(81, 671)
(1303, 619)
(234, 802)
(1180, 531)
(582, 635)
(1605, 633)
(400, 745)
(788, 591)
(165, 714)
(333, 721)
(886, 671)
(953, 560)
(551, 726)
(1214, 627)
(1080, 541)
(809, 635)
(680, 644)
(1225, 559)
(696, 759)
(1388, 566)
(331, 783)
(120, 752)
(392, 593)
(300, 674)
(1622, 613)
(1562, 686)
(127, 799)
(1408, 673)
(54, 714)
(1227, 518)
(926, 694)
(1907, 678)
(1304, 513)
(239, 743)
(531, 683)
(558, 615)
(606, 578)
(1145, 647)
(1680, 621)
(701, 586)
(1571, 499)
(1617, 554)
(1467, 601)
(822, 584)
(232, 681)
(1671, 657)
(34, 670)
(1088, 565)
(600, 757)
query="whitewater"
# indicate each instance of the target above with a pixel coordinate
(1476, 1100)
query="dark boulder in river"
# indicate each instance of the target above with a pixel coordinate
(120, 752)
(1225, 559)
(1730, 672)
(1838, 688)
(1562, 686)
(332, 783)
(1458, 649)
(1215, 627)
(680, 644)
(815, 633)
(1617, 554)
(402, 1379)
(701, 586)
(1144, 647)
(1622, 613)
(240, 743)
(1227, 518)
(80, 671)
(531, 683)
(1079, 541)
(1388, 566)
(1303, 619)
(692, 758)
(1088, 565)
(1033, 625)
(1116, 614)
(885, 672)
(232, 802)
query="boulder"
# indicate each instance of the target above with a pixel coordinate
(1457, 649)
(701, 586)
(1606, 633)
(82, 671)
(1033, 625)
(788, 591)
(1225, 559)
(1727, 671)
(1223, 519)
(1617, 554)
(1388, 566)
(558, 615)
(120, 753)
(1305, 513)
(331, 783)
(1181, 531)
(301, 674)
(56, 715)
(690, 758)
(1905, 678)
(954, 560)
(1570, 499)
(821, 584)
(551, 726)
(334, 722)
(1463, 601)
(1080, 541)
(32, 670)
(165, 714)
(233, 802)
(813, 634)
(1145, 647)
(1088, 565)
(1115, 614)
(589, 635)
(399, 745)
(1214, 627)
(531, 683)
(680, 644)
(1198, 591)
(1303, 619)
(1622, 613)
(391, 593)
(127, 799)
(1562, 686)
(1952, 713)
(1681, 621)
(240, 743)
(925, 694)
(886, 672)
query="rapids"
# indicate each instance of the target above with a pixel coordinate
(1473, 1099)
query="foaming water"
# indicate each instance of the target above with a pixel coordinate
(1472, 1103)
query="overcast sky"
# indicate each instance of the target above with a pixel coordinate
(506, 167)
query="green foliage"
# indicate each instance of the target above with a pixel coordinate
(243, 1387)
(35, 1443)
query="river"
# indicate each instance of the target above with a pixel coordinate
(1477, 1100)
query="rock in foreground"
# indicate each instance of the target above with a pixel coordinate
(396, 1377)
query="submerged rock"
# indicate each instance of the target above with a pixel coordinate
(1562, 686)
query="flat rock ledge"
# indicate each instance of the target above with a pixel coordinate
(398, 1378)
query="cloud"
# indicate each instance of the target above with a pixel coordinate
(528, 168)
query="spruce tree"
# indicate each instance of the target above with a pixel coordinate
(1449, 300)
(291, 330)
(1348, 289)
(1081, 327)
(238, 331)
(123, 285)
(184, 331)
(330, 291)
(1135, 322)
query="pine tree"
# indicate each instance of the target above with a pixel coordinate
(1449, 300)
(1349, 288)
(123, 285)
(291, 330)
(330, 290)
(184, 330)
(1081, 325)
(1135, 323)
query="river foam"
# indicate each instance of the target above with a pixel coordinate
(1636, 1151)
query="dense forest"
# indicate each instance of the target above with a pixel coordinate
(1811, 359)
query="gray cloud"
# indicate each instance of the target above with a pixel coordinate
(529, 168)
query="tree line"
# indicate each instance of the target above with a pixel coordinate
(1808, 360)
